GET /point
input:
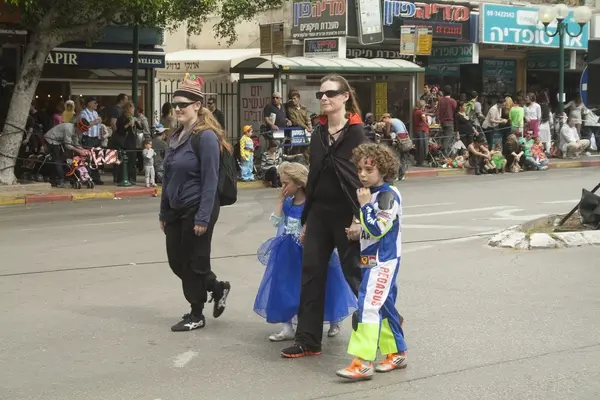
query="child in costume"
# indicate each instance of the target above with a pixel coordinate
(378, 324)
(278, 296)
(247, 154)
(538, 153)
(497, 158)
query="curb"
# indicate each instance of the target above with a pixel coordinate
(513, 238)
(154, 192)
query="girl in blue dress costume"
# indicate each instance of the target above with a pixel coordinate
(278, 296)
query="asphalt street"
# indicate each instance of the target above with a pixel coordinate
(88, 300)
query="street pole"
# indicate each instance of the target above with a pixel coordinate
(560, 27)
(134, 66)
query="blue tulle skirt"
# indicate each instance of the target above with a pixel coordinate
(278, 296)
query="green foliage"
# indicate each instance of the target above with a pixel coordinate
(66, 19)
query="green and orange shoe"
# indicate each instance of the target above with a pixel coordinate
(392, 362)
(357, 371)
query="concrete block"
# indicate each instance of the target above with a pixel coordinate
(541, 241)
(516, 240)
(572, 239)
(500, 237)
(592, 237)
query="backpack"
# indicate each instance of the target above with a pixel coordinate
(227, 186)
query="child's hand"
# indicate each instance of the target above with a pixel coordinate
(283, 193)
(364, 196)
(302, 235)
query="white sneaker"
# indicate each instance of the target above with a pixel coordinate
(357, 371)
(283, 336)
(334, 330)
(392, 362)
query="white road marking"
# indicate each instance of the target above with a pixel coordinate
(507, 215)
(184, 358)
(452, 212)
(412, 250)
(561, 201)
(450, 227)
(429, 205)
(55, 226)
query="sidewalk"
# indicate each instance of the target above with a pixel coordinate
(32, 192)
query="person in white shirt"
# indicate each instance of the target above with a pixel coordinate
(591, 128)
(492, 120)
(546, 126)
(570, 143)
(533, 114)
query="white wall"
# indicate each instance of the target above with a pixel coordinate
(248, 33)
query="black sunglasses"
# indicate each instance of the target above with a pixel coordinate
(329, 93)
(182, 104)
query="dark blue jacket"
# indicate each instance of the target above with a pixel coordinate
(189, 182)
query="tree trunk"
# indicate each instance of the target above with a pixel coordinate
(10, 140)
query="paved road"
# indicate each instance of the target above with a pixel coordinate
(87, 302)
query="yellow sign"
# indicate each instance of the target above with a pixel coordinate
(381, 99)
(424, 41)
(408, 40)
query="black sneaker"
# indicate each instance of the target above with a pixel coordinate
(189, 323)
(298, 350)
(220, 298)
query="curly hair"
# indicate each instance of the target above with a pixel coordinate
(295, 171)
(383, 158)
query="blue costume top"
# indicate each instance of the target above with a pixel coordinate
(278, 296)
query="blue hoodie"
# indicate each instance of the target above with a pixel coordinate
(189, 182)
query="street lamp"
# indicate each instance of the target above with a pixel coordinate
(559, 12)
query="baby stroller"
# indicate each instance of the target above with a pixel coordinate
(435, 155)
(78, 174)
(33, 167)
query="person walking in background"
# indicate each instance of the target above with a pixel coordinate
(247, 154)
(576, 108)
(421, 133)
(148, 154)
(533, 115)
(218, 114)
(269, 163)
(330, 216)
(493, 120)
(117, 110)
(445, 117)
(297, 113)
(69, 114)
(190, 203)
(517, 117)
(379, 325)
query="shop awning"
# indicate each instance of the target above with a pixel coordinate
(203, 62)
(263, 65)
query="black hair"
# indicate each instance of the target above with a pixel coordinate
(121, 97)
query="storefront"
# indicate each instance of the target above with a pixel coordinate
(72, 72)
(517, 55)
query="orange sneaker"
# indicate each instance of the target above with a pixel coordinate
(392, 362)
(357, 371)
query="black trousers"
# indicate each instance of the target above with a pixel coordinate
(59, 160)
(272, 176)
(325, 230)
(421, 141)
(189, 256)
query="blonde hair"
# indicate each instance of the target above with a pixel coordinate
(509, 102)
(206, 121)
(295, 171)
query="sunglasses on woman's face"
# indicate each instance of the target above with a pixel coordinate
(182, 104)
(329, 94)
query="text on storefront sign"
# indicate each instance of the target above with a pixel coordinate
(423, 11)
(254, 98)
(62, 59)
(317, 9)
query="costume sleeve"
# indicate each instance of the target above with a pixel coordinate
(378, 224)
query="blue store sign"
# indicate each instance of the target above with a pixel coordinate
(519, 26)
(89, 59)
